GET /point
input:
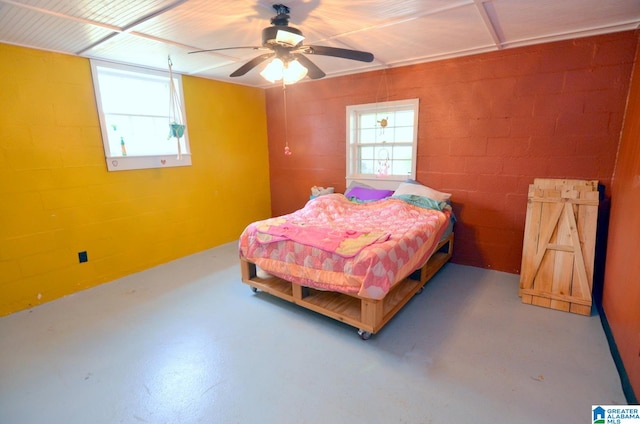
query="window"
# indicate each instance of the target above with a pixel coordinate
(134, 105)
(382, 141)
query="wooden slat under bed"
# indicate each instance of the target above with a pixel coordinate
(367, 315)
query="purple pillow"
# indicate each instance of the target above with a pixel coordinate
(364, 193)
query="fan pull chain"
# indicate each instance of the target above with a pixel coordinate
(287, 151)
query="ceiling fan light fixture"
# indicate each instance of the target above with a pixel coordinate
(293, 72)
(273, 71)
(290, 72)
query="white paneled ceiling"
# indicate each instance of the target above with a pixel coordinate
(146, 32)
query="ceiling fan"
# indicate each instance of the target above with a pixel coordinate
(285, 45)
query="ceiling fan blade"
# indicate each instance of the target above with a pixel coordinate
(337, 52)
(251, 64)
(227, 48)
(313, 71)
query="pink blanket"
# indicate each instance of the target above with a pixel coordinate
(408, 236)
(345, 243)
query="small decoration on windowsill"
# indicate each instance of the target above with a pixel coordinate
(176, 124)
(123, 148)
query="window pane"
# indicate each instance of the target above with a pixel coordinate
(368, 120)
(402, 152)
(404, 118)
(366, 167)
(403, 134)
(122, 92)
(401, 167)
(138, 135)
(368, 136)
(366, 152)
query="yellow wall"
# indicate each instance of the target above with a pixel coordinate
(57, 198)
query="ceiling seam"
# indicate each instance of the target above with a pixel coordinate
(129, 28)
(116, 29)
(393, 22)
(61, 15)
(488, 19)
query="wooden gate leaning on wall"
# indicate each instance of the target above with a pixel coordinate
(559, 244)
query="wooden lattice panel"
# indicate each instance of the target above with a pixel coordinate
(559, 244)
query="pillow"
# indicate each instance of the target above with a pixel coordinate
(421, 190)
(367, 194)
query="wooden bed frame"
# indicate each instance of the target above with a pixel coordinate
(367, 315)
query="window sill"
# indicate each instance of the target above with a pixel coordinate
(127, 163)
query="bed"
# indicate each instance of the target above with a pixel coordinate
(352, 258)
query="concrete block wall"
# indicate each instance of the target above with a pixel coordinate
(58, 199)
(621, 295)
(489, 124)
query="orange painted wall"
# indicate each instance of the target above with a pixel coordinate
(621, 297)
(488, 125)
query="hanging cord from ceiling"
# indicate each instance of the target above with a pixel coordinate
(383, 164)
(176, 122)
(287, 151)
(383, 79)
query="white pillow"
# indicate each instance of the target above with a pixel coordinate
(357, 184)
(421, 190)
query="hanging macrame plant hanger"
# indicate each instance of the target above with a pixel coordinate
(176, 122)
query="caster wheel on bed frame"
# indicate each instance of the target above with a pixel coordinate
(254, 289)
(364, 335)
(420, 290)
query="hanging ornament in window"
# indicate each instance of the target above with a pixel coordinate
(384, 121)
(383, 124)
(383, 163)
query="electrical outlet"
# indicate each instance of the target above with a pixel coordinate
(82, 256)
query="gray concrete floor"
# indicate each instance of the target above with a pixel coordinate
(187, 342)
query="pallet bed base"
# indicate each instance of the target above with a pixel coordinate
(367, 315)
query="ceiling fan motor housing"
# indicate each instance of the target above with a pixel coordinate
(269, 35)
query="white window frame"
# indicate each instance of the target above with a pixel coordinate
(353, 134)
(115, 160)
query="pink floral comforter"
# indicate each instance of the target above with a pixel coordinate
(382, 242)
